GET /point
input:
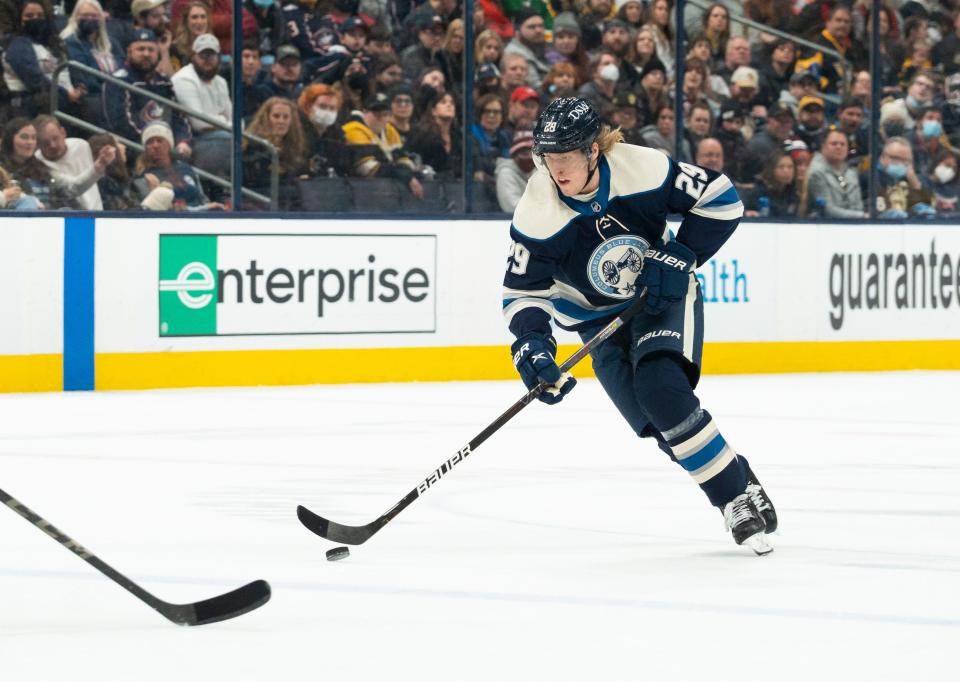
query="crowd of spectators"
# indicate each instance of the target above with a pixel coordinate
(373, 89)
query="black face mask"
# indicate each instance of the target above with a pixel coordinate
(38, 29)
(358, 80)
(88, 27)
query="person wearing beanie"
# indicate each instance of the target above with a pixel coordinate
(567, 46)
(529, 42)
(652, 93)
(156, 166)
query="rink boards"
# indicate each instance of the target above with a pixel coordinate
(124, 303)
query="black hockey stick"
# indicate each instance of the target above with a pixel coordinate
(222, 607)
(356, 535)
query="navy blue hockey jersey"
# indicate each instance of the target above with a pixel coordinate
(577, 261)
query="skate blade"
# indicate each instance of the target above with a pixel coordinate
(758, 543)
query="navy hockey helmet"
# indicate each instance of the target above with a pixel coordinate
(567, 124)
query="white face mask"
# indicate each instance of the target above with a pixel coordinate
(322, 117)
(610, 72)
(944, 173)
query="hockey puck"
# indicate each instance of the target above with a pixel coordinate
(338, 553)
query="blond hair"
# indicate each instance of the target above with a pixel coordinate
(607, 137)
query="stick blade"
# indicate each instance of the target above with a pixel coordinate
(222, 607)
(348, 535)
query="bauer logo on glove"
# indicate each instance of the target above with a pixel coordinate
(533, 356)
(666, 275)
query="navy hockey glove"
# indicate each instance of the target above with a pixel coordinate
(533, 357)
(666, 275)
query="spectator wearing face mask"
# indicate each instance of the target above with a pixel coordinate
(29, 62)
(87, 42)
(927, 140)
(901, 192)
(602, 86)
(919, 96)
(348, 61)
(512, 173)
(943, 183)
(326, 154)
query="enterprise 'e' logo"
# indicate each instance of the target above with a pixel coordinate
(187, 281)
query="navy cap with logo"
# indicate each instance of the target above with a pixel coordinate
(487, 71)
(351, 23)
(143, 35)
(378, 101)
(731, 110)
(425, 22)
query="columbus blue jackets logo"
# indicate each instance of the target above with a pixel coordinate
(614, 265)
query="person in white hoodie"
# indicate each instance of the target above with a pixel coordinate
(513, 173)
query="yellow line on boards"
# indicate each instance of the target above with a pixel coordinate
(30, 373)
(469, 363)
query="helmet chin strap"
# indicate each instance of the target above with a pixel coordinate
(590, 172)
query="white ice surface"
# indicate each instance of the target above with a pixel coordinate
(563, 549)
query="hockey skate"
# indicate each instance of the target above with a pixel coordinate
(761, 501)
(746, 524)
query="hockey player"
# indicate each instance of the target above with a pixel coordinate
(590, 234)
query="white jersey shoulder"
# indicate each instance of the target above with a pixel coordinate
(636, 169)
(540, 214)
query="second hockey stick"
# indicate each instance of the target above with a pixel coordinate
(357, 535)
(222, 607)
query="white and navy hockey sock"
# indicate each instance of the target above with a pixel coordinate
(698, 446)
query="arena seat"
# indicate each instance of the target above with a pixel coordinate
(329, 195)
(376, 195)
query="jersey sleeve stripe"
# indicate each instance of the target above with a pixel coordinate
(730, 212)
(730, 196)
(718, 187)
